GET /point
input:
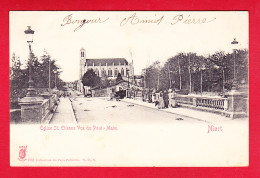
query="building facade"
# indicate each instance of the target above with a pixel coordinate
(106, 67)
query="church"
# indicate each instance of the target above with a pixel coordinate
(105, 67)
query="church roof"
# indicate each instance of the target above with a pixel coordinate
(108, 61)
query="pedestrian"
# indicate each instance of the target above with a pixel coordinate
(161, 101)
(170, 94)
(112, 95)
(153, 96)
(146, 95)
(172, 100)
(150, 96)
(165, 99)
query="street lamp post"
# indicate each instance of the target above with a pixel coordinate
(127, 73)
(31, 110)
(128, 86)
(201, 78)
(55, 72)
(234, 45)
(236, 104)
(29, 35)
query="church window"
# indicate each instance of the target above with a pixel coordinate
(109, 72)
(103, 72)
(82, 53)
(116, 72)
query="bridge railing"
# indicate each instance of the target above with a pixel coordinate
(184, 99)
(214, 103)
(234, 105)
(204, 102)
(45, 109)
(48, 104)
(35, 112)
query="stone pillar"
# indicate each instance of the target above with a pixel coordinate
(225, 105)
(31, 111)
(237, 104)
(194, 101)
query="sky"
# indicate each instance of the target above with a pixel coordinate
(147, 35)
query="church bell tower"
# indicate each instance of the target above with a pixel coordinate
(82, 62)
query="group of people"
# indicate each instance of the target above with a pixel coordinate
(162, 99)
(132, 93)
(65, 93)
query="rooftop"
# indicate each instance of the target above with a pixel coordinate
(108, 61)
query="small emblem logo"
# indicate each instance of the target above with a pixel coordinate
(22, 153)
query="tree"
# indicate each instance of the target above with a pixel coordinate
(198, 73)
(119, 77)
(47, 67)
(104, 80)
(91, 79)
(152, 75)
(220, 59)
(175, 71)
(196, 66)
(19, 77)
(241, 60)
(15, 68)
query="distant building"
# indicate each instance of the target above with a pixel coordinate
(105, 67)
(139, 80)
(109, 67)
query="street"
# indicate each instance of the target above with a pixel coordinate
(64, 113)
(135, 135)
(125, 95)
(103, 110)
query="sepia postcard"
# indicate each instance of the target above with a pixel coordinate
(129, 88)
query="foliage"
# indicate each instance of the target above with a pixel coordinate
(91, 79)
(42, 68)
(119, 77)
(19, 76)
(104, 81)
(186, 71)
(152, 75)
